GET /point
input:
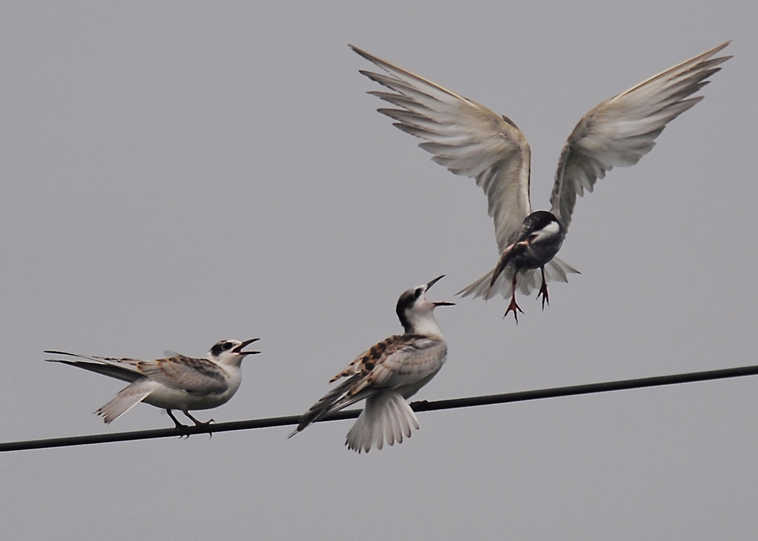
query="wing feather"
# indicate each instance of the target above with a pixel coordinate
(619, 131)
(122, 369)
(465, 137)
(194, 375)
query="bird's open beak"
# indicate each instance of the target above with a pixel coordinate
(440, 303)
(239, 348)
(430, 284)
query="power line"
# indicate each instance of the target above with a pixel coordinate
(520, 396)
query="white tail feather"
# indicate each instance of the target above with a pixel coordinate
(526, 282)
(126, 399)
(387, 417)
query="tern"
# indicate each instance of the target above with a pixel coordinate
(173, 383)
(471, 140)
(386, 374)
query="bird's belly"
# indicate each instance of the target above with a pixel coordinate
(408, 391)
(537, 255)
(178, 399)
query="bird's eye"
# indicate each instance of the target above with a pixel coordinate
(228, 345)
(417, 293)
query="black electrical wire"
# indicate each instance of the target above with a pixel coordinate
(521, 396)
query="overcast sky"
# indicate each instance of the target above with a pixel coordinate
(178, 173)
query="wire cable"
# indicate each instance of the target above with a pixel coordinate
(455, 403)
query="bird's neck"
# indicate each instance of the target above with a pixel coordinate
(230, 365)
(427, 326)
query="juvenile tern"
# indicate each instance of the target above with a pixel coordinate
(173, 383)
(386, 374)
(471, 140)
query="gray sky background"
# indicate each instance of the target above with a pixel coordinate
(179, 173)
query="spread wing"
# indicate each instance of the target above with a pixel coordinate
(194, 375)
(619, 131)
(465, 137)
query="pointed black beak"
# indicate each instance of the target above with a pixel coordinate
(430, 284)
(440, 303)
(239, 348)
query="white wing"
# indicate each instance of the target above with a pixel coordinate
(465, 137)
(194, 375)
(619, 131)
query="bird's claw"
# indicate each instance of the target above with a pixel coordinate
(183, 431)
(544, 295)
(513, 307)
(204, 423)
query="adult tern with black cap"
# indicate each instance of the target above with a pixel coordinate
(471, 140)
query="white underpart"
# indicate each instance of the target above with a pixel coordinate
(549, 230)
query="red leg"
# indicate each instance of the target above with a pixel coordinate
(513, 307)
(543, 290)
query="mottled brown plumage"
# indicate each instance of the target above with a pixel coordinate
(386, 374)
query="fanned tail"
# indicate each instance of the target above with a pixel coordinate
(482, 288)
(526, 281)
(387, 417)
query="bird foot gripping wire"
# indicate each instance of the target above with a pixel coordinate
(201, 423)
(182, 429)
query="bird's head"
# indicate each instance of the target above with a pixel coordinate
(541, 226)
(416, 312)
(231, 351)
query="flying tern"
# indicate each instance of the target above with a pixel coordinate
(471, 140)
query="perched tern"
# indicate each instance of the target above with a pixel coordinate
(174, 383)
(386, 374)
(473, 141)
